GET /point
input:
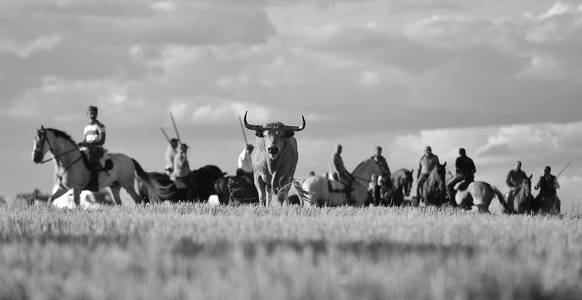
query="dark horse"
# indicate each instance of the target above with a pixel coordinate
(401, 186)
(433, 191)
(236, 189)
(200, 183)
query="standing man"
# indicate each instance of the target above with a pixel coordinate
(514, 179)
(465, 170)
(548, 184)
(170, 154)
(381, 161)
(426, 164)
(92, 144)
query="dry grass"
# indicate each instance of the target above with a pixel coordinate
(203, 252)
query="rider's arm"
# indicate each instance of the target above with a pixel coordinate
(102, 135)
(556, 184)
(508, 179)
(538, 184)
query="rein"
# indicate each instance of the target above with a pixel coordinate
(57, 156)
(65, 169)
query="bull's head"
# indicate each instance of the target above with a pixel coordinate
(274, 134)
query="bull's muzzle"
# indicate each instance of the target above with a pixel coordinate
(273, 150)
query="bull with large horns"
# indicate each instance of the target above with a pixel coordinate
(274, 159)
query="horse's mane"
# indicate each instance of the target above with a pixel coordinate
(60, 133)
(360, 165)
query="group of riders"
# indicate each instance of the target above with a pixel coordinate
(465, 171)
(177, 166)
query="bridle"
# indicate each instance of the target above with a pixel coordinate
(44, 139)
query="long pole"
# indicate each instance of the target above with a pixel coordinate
(564, 169)
(243, 131)
(175, 127)
(165, 134)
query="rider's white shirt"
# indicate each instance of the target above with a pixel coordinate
(93, 132)
(245, 162)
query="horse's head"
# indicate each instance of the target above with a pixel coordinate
(403, 179)
(41, 147)
(408, 181)
(526, 186)
(440, 171)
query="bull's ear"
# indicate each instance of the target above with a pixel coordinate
(289, 134)
(259, 133)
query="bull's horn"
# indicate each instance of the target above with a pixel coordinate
(296, 128)
(250, 126)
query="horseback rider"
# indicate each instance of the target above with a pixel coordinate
(339, 172)
(547, 184)
(170, 154)
(92, 145)
(244, 162)
(381, 161)
(426, 164)
(514, 179)
(465, 171)
(181, 171)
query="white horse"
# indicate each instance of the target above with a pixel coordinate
(71, 171)
(323, 191)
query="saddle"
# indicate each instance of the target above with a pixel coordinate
(96, 159)
(336, 186)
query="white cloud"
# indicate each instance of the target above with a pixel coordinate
(28, 48)
(558, 8)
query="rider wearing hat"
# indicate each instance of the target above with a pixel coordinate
(93, 140)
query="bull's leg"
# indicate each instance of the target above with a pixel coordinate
(260, 184)
(282, 196)
(269, 194)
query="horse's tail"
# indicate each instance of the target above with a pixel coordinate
(156, 190)
(501, 199)
(301, 193)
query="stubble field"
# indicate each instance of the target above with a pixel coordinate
(248, 252)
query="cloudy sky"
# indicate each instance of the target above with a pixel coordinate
(502, 79)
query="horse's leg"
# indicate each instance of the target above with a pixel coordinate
(57, 192)
(77, 196)
(115, 188)
(483, 208)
